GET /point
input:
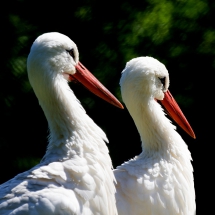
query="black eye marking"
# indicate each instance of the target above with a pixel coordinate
(71, 52)
(163, 80)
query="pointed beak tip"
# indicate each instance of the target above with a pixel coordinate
(190, 133)
(116, 103)
(121, 106)
(194, 136)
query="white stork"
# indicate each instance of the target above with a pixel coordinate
(159, 181)
(75, 176)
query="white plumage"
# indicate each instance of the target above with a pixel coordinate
(159, 181)
(75, 175)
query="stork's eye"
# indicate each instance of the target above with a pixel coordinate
(163, 80)
(71, 52)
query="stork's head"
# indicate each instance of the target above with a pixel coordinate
(54, 59)
(146, 79)
(52, 54)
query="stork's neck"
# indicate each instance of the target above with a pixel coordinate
(154, 128)
(71, 129)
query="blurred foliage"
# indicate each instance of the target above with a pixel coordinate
(179, 33)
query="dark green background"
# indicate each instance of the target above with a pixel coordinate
(179, 33)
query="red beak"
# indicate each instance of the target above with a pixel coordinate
(86, 78)
(175, 112)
